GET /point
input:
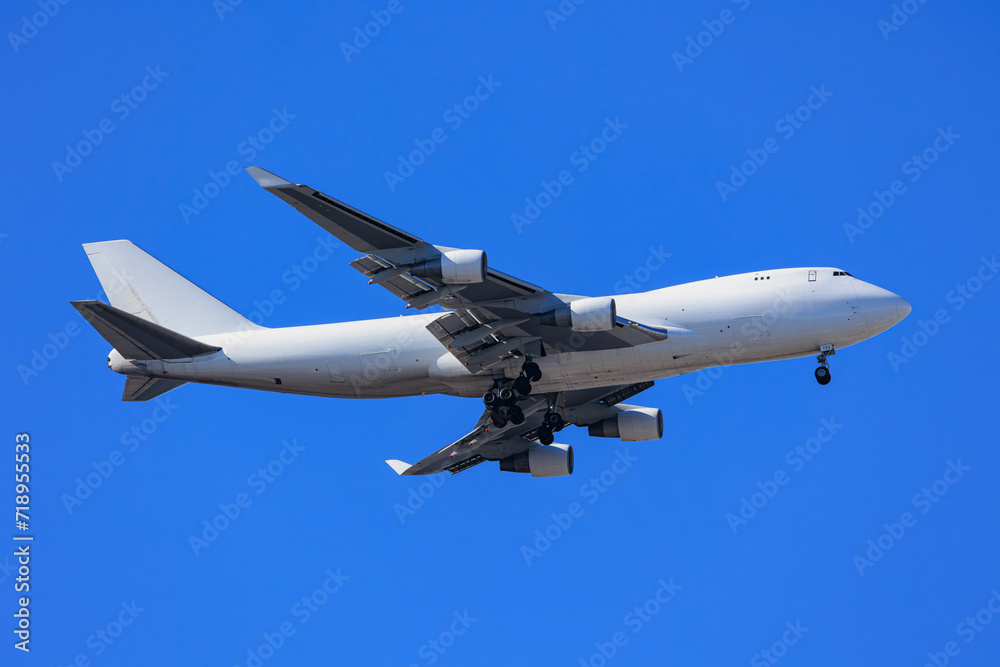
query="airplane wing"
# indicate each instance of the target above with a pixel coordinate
(489, 443)
(385, 247)
(494, 315)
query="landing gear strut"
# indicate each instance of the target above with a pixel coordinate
(551, 422)
(823, 372)
(506, 392)
(531, 371)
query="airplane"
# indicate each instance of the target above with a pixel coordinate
(538, 360)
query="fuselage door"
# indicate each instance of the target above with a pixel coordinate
(336, 369)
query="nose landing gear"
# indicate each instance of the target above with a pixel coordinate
(823, 372)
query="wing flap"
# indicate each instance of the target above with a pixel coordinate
(479, 338)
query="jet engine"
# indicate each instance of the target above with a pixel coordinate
(590, 314)
(541, 461)
(631, 425)
(454, 267)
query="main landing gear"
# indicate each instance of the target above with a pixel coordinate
(502, 398)
(551, 422)
(823, 372)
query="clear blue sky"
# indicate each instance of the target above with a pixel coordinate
(452, 583)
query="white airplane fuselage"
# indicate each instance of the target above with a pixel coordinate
(746, 318)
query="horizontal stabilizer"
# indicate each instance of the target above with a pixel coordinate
(399, 466)
(139, 388)
(136, 338)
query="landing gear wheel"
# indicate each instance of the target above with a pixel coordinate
(553, 421)
(516, 415)
(532, 371)
(522, 386)
(507, 396)
(490, 398)
(545, 437)
(823, 375)
(499, 419)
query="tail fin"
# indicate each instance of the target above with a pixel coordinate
(141, 285)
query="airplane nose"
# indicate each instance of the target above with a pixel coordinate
(881, 307)
(903, 308)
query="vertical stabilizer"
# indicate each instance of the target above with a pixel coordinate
(141, 285)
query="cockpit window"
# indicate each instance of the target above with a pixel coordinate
(842, 273)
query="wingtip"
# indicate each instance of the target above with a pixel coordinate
(266, 179)
(399, 466)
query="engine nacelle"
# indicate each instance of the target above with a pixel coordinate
(541, 461)
(631, 425)
(591, 314)
(454, 267)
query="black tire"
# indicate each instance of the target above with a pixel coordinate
(522, 386)
(553, 421)
(823, 375)
(516, 415)
(490, 398)
(545, 437)
(498, 418)
(507, 396)
(532, 371)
